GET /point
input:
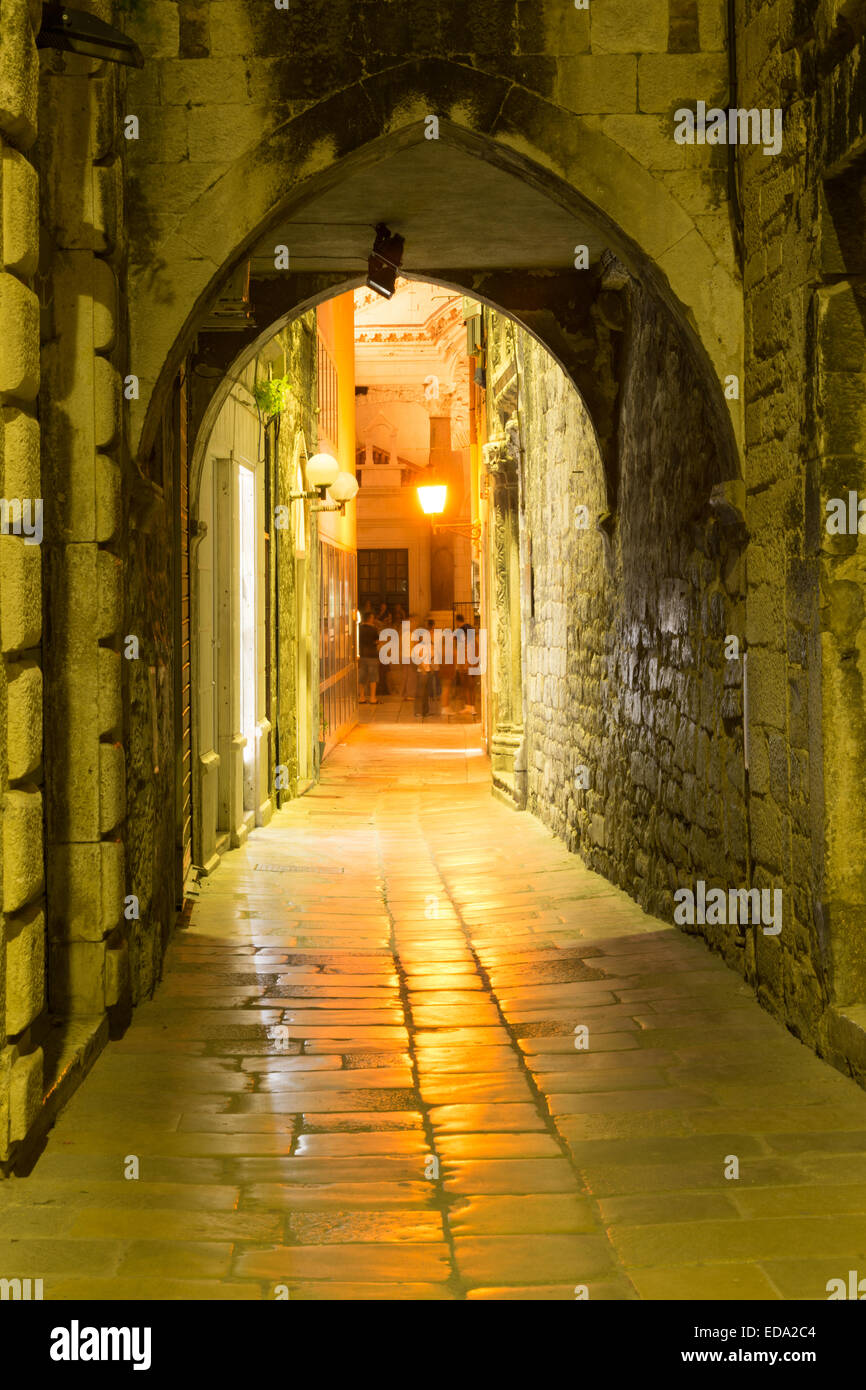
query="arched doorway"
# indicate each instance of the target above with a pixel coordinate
(227, 573)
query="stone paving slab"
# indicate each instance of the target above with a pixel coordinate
(336, 1092)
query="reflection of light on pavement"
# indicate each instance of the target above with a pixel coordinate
(442, 752)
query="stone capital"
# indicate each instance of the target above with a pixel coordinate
(500, 460)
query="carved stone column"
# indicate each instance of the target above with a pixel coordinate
(507, 743)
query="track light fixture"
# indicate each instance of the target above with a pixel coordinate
(385, 260)
(76, 32)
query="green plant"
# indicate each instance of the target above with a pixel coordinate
(272, 395)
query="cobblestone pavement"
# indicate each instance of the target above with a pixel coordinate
(359, 1080)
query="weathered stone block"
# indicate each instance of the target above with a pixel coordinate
(635, 29)
(6, 1055)
(736, 834)
(76, 973)
(843, 425)
(112, 786)
(109, 691)
(670, 80)
(597, 83)
(109, 572)
(68, 378)
(104, 289)
(764, 616)
(221, 132)
(767, 690)
(19, 75)
(105, 126)
(712, 25)
(21, 455)
(768, 834)
(565, 29)
(841, 336)
(24, 719)
(598, 831)
(25, 1093)
(85, 890)
(116, 973)
(67, 200)
(25, 969)
(163, 132)
(777, 749)
(156, 31)
(71, 735)
(112, 863)
(108, 498)
(20, 214)
(107, 205)
(759, 764)
(22, 848)
(106, 403)
(19, 341)
(209, 81)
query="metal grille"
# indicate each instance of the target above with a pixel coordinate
(328, 399)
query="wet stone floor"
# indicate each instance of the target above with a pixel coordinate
(359, 1080)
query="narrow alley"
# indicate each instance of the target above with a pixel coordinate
(363, 1077)
(432, 723)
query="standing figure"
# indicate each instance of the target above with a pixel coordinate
(368, 659)
(425, 673)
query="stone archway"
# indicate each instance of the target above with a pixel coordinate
(589, 192)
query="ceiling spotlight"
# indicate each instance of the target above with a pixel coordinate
(385, 260)
(77, 32)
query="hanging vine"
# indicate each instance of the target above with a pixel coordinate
(271, 396)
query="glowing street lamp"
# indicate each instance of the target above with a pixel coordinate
(322, 470)
(432, 497)
(343, 488)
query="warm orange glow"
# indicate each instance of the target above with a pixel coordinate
(432, 498)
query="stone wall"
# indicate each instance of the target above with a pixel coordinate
(84, 359)
(806, 441)
(22, 918)
(634, 743)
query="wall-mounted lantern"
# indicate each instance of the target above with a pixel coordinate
(73, 31)
(327, 479)
(432, 495)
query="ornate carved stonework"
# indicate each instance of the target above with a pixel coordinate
(502, 464)
(501, 599)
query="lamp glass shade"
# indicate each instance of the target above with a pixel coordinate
(432, 498)
(322, 470)
(344, 487)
